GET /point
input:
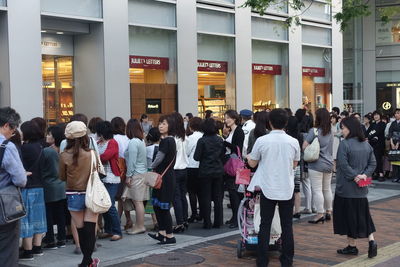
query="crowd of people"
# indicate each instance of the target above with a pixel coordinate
(52, 166)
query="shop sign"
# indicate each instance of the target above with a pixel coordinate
(267, 69)
(213, 66)
(159, 63)
(386, 105)
(313, 72)
(153, 106)
(51, 44)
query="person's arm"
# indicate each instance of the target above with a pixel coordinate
(239, 140)
(199, 150)
(371, 164)
(132, 158)
(255, 156)
(297, 154)
(12, 164)
(63, 169)
(250, 142)
(309, 138)
(111, 150)
(159, 158)
(342, 162)
(191, 145)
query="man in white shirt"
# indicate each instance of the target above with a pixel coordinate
(276, 155)
(248, 125)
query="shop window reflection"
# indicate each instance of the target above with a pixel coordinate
(58, 90)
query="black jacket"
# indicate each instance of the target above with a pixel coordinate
(209, 152)
(237, 140)
(31, 155)
(394, 132)
(376, 135)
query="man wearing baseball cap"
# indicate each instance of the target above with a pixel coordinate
(248, 125)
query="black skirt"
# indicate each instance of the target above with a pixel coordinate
(351, 217)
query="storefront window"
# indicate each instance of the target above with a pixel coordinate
(215, 21)
(216, 74)
(268, 29)
(387, 91)
(152, 13)
(316, 35)
(153, 72)
(3, 3)
(58, 89)
(317, 10)
(84, 8)
(317, 78)
(270, 75)
(388, 33)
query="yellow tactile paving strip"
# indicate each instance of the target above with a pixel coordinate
(384, 254)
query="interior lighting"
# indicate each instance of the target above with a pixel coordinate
(60, 32)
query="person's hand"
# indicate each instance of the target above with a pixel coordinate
(248, 157)
(28, 173)
(128, 181)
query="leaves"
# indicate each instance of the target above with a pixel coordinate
(351, 9)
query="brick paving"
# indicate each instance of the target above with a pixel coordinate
(315, 245)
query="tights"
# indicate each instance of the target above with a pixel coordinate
(87, 239)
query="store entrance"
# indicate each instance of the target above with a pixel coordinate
(316, 94)
(58, 89)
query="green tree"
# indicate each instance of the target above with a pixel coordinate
(350, 9)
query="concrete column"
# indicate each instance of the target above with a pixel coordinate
(337, 58)
(243, 55)
(116, 58)
(4, 63)
(295, 66)
(25, 58)
(89, 72)
(187, 56)
(369, 60)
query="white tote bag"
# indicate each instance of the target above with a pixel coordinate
(276, 229)
(311, 153)
(97, 198)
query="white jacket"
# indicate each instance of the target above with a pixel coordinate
(247, 127)
(192, 143)
(182, 160)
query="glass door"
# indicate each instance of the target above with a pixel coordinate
(58, 89)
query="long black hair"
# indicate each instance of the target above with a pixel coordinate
(262, 124)
(323, 120)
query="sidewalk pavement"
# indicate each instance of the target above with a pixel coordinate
(315, 244)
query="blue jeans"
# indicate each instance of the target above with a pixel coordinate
(112, 223)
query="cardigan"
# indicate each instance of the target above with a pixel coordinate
(237, 140)
(111, 155)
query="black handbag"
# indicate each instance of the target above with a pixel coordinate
(393, 155)
(11, 205)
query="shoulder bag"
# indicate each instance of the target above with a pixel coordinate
(234, 163)
(154, 179)
(311, 153)
(97, 198)
(11, 205)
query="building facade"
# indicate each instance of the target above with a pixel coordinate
(127, 57)
(372, 60)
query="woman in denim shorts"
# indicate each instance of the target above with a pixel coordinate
(75, 165)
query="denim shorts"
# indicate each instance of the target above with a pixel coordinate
(76, 202)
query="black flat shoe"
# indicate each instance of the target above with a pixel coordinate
(229, 222)
(372, 249)
(192, 219)
(233, 225)
(349, 250)
(297, 215)
(178, 229)
(186, 225)
(157, 236)
(167, 240)
(328, 217)
(320, 220)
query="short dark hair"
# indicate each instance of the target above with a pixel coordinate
(209, 127)
(278, 118)
(289, 112)
(31, 132)
(344, 113)
(208, 113)
(233, 115)
(92, 124)
(118, 125)
(104, 130)
(79, 117)
(171, 123)
(335, 117)
(368, 117)
(41, 123)
(153, 135)
(142, 117)
(10, 116)
(58, 134)
(377, 112)
(189, 115)
(195, 123)
(354, 127)
(397, 110)
(336, 109)
(134, 129)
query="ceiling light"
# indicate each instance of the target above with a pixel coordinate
(43, 31)
(60, 32)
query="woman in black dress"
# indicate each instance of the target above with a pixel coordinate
(376, 139)
(232, 142)
(351, 215)
(162, 198)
